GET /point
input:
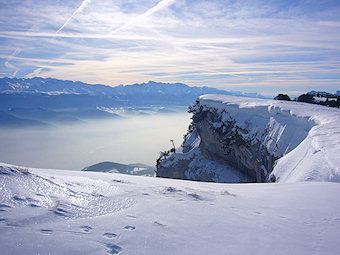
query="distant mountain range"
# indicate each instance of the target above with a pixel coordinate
(113, 167)
(323, 93)
(136, 94)
(45, 99)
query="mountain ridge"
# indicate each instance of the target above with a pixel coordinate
(52, 85)
(60, 100)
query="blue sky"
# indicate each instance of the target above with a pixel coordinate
(253, 46)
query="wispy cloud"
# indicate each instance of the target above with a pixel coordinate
(11, 66)
(215, 43)
(80, 9)
(35, 73)
(162, 4)
(16, 70)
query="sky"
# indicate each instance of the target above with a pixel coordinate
(252, 46)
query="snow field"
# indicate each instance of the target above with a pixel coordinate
(69, 212)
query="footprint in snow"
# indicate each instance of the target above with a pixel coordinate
(128, 227)
(5, 206)
(60, 212)
(86, 229)
(97, 195)
(109, 235)
(225, 192)
(12, 225)
(121, 181)
(159, 224)
(18, 198)
(195, 196)
(172, 189)
(46, 231)
(113, 249)
(34, 205)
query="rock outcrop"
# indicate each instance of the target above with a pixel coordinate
(233, 139)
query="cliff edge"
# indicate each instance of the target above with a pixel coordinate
(236, 139)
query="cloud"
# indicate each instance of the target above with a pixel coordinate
(80, 9)
(9, 65)
(162, 4)
(16, 70)
(214, 43)
(35, 73)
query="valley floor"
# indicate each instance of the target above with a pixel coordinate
(69, 212)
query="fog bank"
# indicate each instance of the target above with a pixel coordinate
(73, 146)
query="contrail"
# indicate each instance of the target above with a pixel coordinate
(162, 4)
(9, 65)
(80, 9)
(34, 73)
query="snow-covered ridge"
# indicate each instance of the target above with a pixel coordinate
(261, 139)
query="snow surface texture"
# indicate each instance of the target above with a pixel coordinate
(73, 212)
(305, 139)
(316, 158)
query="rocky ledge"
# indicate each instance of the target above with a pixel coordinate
(234, 139)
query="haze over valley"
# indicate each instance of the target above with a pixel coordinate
(129, 139)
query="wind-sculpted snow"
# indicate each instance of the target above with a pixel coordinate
(76, 212)
(261, 139)
(75, 198)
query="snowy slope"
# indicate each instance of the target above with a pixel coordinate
(73, 212)
(305, 138)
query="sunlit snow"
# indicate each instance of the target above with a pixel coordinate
(68, 212)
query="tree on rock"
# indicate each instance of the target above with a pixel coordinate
(284, 97)
(306, 98)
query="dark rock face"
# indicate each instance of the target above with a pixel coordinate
(175, 171)
(221, 142)
(227, 146)
(236, 139)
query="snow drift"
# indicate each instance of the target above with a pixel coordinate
(235, 139)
